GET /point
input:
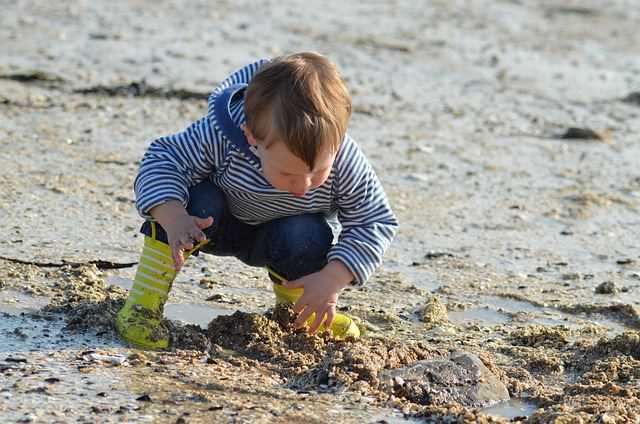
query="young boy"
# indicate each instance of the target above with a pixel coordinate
(261, 177)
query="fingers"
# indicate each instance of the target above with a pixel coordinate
(300, 304)
(203, 223)
(178, 259)
(317, 322)
(295, 284)
(178, 248)
(302, 317)
(331, 314)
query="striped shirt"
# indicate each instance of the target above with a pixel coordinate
(214, 148)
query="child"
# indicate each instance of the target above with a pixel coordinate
(261, 178)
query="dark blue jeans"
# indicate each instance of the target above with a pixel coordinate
(293, 246)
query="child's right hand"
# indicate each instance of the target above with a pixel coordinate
(184, 231)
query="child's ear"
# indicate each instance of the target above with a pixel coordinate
(247, 133)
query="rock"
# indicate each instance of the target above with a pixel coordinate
(608, 287)
(110, 359)
(574, 133)
(633, 98)
(434, 311)
(15, 360)
(462, 378)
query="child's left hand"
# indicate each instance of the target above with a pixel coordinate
(321, 291)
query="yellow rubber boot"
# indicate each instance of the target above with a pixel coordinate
(341, 327)
(138, 322)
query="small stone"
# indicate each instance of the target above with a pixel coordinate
(434, 311)
(144, 398)
(608, 287)
(29, 418)
(15, 360)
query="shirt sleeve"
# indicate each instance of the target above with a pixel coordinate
(174, 163)
(368, 223)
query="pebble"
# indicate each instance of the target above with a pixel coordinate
(607, 287)
(112, 359)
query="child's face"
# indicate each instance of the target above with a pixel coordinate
(287, 172)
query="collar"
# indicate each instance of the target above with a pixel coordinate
(223, 120)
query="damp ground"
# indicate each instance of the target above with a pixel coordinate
(511, 161)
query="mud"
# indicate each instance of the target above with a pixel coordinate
(511, 161)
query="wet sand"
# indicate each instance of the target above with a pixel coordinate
(519, 244)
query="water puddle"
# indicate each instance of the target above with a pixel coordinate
(27, 332)
(511, 409)
(494, 310)
(13, 302)
(484, 315)
(393, 418)
(511, 306)
(192, 313)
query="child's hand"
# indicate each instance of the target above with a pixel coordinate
(321, 291)
(183, 234)
(183, 230)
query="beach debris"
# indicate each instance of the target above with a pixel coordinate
(32, 75)
(436, 255)
(571, 10)
(115, 360)
(143, 89)
(15, 360)
(632, 98)
(99, 263)
(607, 287)
(576, 133)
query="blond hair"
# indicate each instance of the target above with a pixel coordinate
(301, 100)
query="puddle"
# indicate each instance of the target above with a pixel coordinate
(485, 315)
(42, 332)
(509, 305)
(13, 302)
(511, 409)
(192, 313)
(495, 310)
(393, 418)
(116, 280)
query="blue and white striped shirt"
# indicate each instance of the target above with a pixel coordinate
(174, 163)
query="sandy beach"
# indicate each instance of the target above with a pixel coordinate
(505, 133)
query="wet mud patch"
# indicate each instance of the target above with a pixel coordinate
(408, 372)
(595, 381)
(86, 301)
(625, 313)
